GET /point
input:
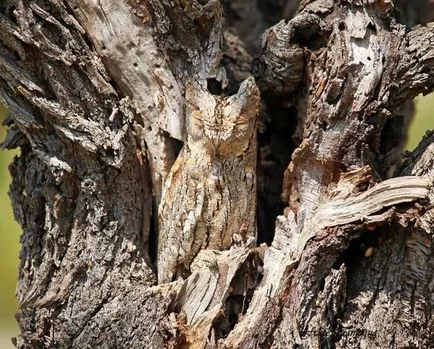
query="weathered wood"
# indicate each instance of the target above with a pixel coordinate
(100, 95)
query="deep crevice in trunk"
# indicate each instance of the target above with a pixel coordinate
(276, 145)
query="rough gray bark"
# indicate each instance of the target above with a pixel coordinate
(98, 95)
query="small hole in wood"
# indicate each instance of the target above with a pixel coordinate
(324, 126)
(214, 86)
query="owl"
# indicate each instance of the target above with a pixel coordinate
(209, 195)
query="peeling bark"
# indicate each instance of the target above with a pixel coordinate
(102, 96)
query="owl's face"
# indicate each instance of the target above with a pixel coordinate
(223, 125)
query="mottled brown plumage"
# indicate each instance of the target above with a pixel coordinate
(210, 193)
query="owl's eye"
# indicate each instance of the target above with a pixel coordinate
(196, 115)
(242, 119)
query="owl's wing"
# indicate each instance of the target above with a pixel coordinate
(178, 216)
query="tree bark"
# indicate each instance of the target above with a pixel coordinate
(102, 97)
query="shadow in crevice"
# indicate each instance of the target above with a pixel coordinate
(246, 280)
(275, 148)
(174, 147)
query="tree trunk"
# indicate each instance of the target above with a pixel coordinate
(151, 160)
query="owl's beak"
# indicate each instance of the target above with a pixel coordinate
(212, 146)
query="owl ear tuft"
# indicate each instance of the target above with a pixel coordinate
(246, 101)
(197, 97)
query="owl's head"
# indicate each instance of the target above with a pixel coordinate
(223, 125)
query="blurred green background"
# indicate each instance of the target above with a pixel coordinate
(423, 120)
(9, 248)
(10, 231)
